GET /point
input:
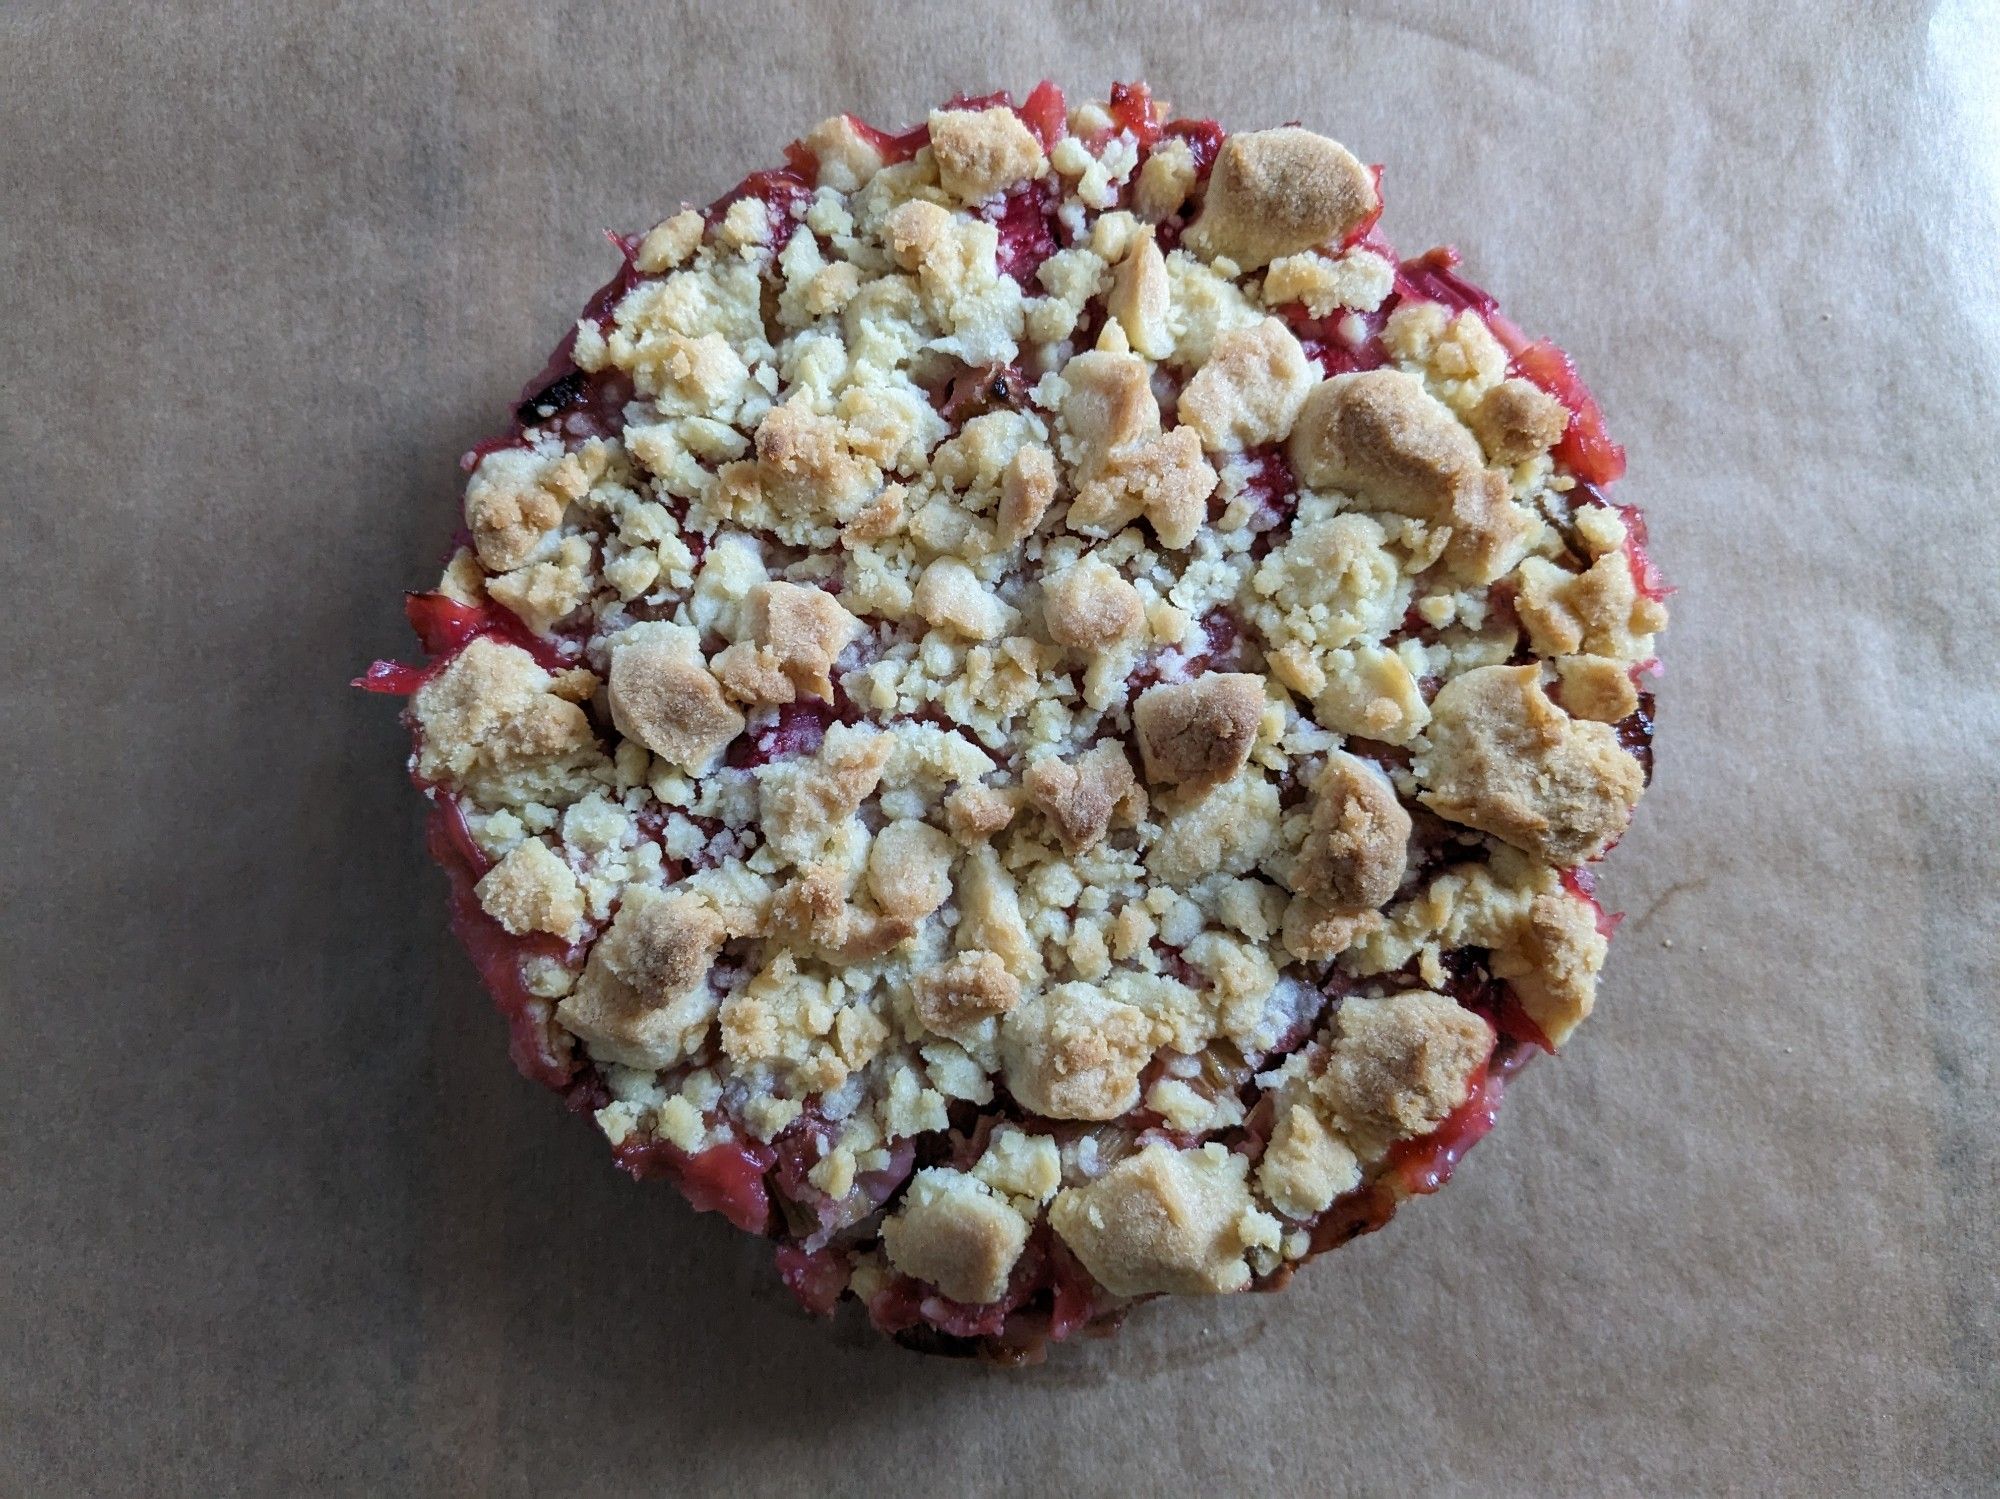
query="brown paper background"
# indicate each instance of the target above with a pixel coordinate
(275, 1215)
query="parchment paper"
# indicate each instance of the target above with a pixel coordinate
(279, 1218)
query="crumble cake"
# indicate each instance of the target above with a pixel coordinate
(1024, 710)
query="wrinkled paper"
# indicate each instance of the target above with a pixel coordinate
(278, 1216)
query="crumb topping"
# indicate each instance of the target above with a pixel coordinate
(1080, 799)
(1072, 1053)
(979, 152)
(1354, 855)
(1505, 759)
(532, 890)
(1166, 1220)
(1274, 192)
(1397, 1066)
(1196, 735)
(955, 1233)
(1038, 641)
(642, 999)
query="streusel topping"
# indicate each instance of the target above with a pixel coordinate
(1022, 707)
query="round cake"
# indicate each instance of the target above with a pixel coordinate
(1024, 710)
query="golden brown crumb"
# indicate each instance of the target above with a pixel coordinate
(806, 458)
(1090, 605)
(909, 868)
(1275, 191)
(1139, 299)
(662, 696)
(1516, 421)
(1224, 832)
(981, 151)
(1196, 735)
(950, 595)
(1165, 479)
(1305, 1166)
(953, 1233)
(812, 905)
(1026, 490)
(976, 813)
(1166, 179)
(1599, 610)
(1080, 799)
(1506, 760)
(1398, 1066)
(1314, 931)
(847, 158)
(1597, 687)
(670, 243)
(804, 630)
(804, 802)
(1250, 390)
(578, 684)
(1381, 435)
(1109, 406)
(813, 908)
(1552, 967)
(879, 519)
(642, 999)
(508, 510)
(531, 890)
(1488, 530)
(1353, 858)
(750, 673)
(1071, 1053)
(544, 592)
(1163, 1220)
(491, 713)
(972, 987)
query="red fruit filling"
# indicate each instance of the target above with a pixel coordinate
(1026, 221)
(1360, 232)
(1203, 137)
(1045, 113)
(1421, 1166)
(584, 405)
(1362, 1211)
(1132, 110)
(817, 1278)
(392, 678)
(797, 730)
(1586, 448)
(894, 148)
(785, 192)
(1646, 577)
(726, 1179)
(445, 627)
(1432, 277)
(1048, 1297)
(1342, 343)
(1273, 489)
(498, 954)
(1582, 883)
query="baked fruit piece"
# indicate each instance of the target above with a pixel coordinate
(1024, 711)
